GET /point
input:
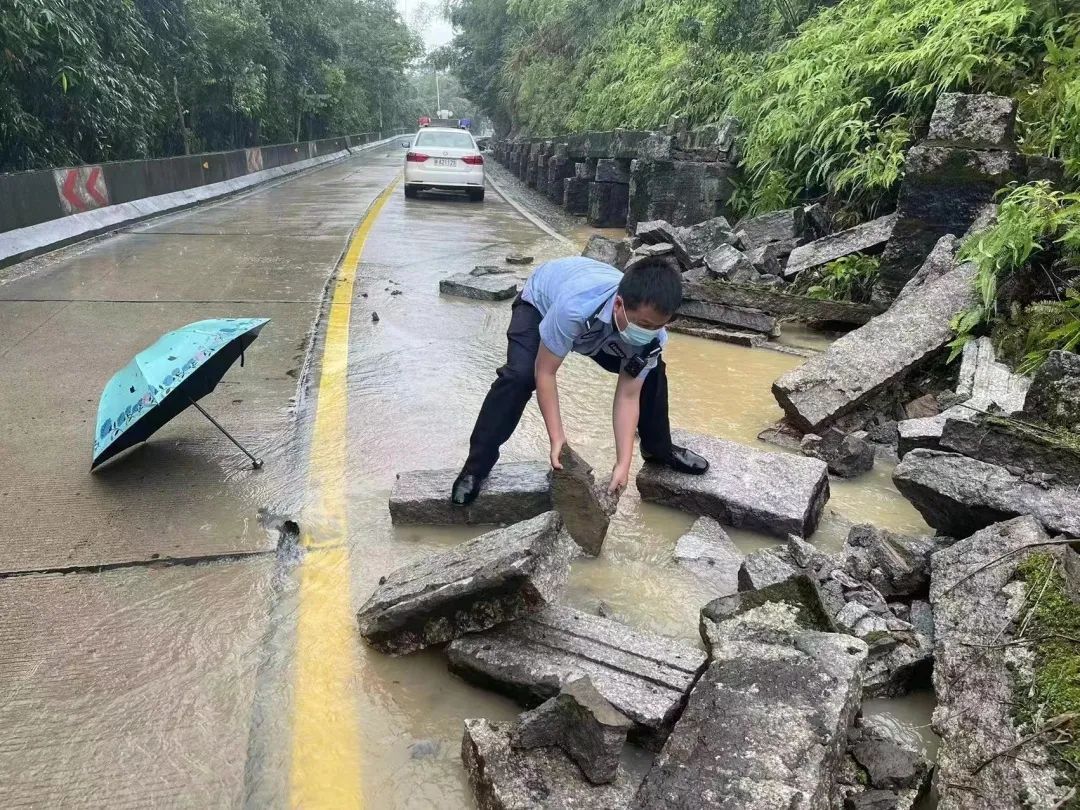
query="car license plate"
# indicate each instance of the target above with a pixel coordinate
(448, 163)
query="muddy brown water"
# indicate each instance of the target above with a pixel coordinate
(416, 380)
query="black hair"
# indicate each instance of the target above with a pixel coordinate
(656, 281)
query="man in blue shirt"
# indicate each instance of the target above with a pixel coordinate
(581, 305)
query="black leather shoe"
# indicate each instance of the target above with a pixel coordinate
(681, 460)
(466, 488)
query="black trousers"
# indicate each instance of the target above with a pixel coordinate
(515, 382)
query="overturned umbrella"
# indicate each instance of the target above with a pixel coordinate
(179, 369)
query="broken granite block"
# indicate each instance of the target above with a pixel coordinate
(609, 170)
(576, 195)
(723, 261)
(736, 317)
(775, 493)
(707, 550)
(657, 233)
(899, 662)
(585, 505)
(775, 226)
(763, 568)
(483, 288)
(778, 303)
(704, 237)
(506, 778)
(862, 363)
(979, 121)
(615, 252)
(868, 238)
(893, 772)
(1054, 396)
(1023, 449)
(681, 192)
(896, 565)
(583, 724)
(959, 495)
(766, 726)
(846, 455)
(513, 491)
(943, 191)
(607, 204)
(643, 675)
(984, 385)
(497, 577)
(976, 670)
(799, 594)
(770, 259)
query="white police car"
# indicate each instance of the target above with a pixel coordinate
(444, 158)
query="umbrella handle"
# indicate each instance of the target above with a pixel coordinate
(256, 463)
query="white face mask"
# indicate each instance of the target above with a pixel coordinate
(636, 335)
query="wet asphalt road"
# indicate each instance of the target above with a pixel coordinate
(154, 684)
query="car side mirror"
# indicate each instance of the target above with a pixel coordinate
(405, 144)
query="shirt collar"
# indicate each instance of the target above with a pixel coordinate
(606, 311)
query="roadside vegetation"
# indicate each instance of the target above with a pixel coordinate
(92, 80)
(829, 95)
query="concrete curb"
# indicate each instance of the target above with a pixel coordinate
(25, 243)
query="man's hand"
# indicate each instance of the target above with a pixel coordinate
(556, 451)
(619, 476)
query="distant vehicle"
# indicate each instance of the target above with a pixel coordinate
(444, 158)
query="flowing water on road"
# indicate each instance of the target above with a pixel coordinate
(415, 378)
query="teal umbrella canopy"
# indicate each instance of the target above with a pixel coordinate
(162, 380)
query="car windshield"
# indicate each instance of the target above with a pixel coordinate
(450, 140)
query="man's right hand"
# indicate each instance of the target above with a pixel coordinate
(556, 451)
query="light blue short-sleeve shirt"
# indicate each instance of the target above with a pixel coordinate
(576, 297)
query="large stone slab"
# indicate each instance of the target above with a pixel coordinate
(1028, 450)
(766, 725)
(774, 226)
(959, 495)
(780, 304)
(774, 493)
(681, 192)
(944, 190)
(736, 317)
(607, 204)
(863, 362)
(643, 675)
(482, 288)
(975, 672)
(513, 491)
(870, 237)
(707, 550)
(497, 577)
(576, 195)
(584, 503)
(503, 777)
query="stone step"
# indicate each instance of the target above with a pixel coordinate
(774, 493)
(514, 491)
(497, 577)
(643, 675)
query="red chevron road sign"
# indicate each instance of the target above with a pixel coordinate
(81, 189)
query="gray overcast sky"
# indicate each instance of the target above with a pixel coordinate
(425, 17)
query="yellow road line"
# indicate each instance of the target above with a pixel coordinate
(325, 764)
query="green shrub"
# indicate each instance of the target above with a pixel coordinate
(1031, 220)
(851, 278)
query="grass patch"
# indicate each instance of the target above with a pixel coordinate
(1052, 620)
